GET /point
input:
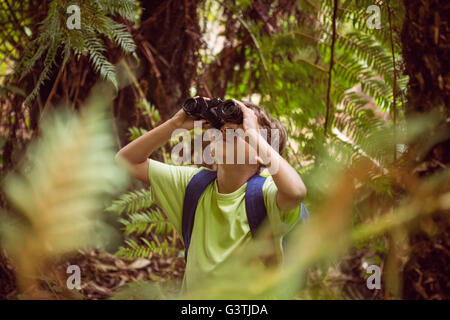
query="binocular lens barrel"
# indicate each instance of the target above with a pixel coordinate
(215, 111)
(215, 102)
(229, 111)
(190, 107)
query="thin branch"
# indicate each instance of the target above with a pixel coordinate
(53, 91)
(330, 71)
(394, 93)
(393, 251)
(263, 61)
(133, 78)
(318, 67)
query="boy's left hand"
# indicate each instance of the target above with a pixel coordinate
(250, 121)
(250, 124)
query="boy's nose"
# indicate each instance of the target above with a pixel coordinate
(224, 128)
(228, 130)
(229, 125)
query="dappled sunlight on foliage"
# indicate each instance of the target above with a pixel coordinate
(365, 107)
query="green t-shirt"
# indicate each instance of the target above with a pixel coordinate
(221, 224)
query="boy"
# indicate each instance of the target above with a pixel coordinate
(221, 224)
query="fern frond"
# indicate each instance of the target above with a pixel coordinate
(95, 22)
(147, 222)
(33, 53)
(131, 202)
(49, 62)
(124, 8)
(98, 61)
(146, 250)
(123, 38)
(68, 174)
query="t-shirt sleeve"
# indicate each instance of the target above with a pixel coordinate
(168, 186)
(281, 221)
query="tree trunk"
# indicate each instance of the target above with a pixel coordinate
(7, 281)
(173, 34)
(425, 39)
(168, 41)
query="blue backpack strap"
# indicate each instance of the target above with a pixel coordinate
(304, 213)
(194, 190)
(255, 207)
(254, 202)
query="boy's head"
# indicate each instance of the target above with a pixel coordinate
(272, 125)
(234, 148)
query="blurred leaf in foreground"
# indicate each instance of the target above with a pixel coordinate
(59, 194)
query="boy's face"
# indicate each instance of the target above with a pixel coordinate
(230, 145)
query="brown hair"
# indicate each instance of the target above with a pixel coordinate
(265, 121)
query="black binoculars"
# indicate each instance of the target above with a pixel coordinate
(215, 111)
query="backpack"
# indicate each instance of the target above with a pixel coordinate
(254, 203)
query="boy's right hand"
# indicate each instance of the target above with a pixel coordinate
(182, 120)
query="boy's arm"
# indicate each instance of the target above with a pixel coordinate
(137, 152)
(291, 189)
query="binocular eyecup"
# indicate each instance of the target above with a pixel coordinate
(215, 111)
